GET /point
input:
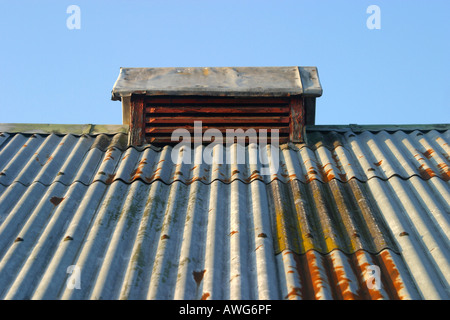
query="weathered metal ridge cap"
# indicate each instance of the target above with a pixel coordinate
(218, 81)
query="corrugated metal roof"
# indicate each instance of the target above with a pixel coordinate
(140, 227)
(218, 81)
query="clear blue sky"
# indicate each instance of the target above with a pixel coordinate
(399, 74)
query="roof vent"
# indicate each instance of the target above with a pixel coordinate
(157, 101)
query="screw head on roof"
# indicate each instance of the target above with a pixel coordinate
(18, 239)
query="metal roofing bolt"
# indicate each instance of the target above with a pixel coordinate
(68, 238)
(60, 173)
(165, 236)
(2, 174)
(356, 235)
(404, 233)
(371, 169)
(18, 239)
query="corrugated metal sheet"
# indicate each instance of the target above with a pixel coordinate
(218, 81)
(140, 227)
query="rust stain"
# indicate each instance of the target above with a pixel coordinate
(300, 267)
(254, 176)
(193, 179)
(343, 283)
(328, 176)
(56, 200)
(444, 171)
(295, 292)
(343, 177)
(205, 296)
(235, 172)
(314, 271)
(198, 276)
(258, 247)
(393, 273)
(374, 294)
(136, 174)
(428, 154)
(233, 232)
(24, 146)
(426, 173)
(126, 156)
(50, 158)
(109, 155)
(378, 163)
(110, 178)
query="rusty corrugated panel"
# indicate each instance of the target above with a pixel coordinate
(354, 156)
(158, 241)
(140, 227)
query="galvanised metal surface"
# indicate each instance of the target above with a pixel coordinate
(140, 227)
(218, 81)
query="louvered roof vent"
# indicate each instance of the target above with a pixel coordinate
(156, 101)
